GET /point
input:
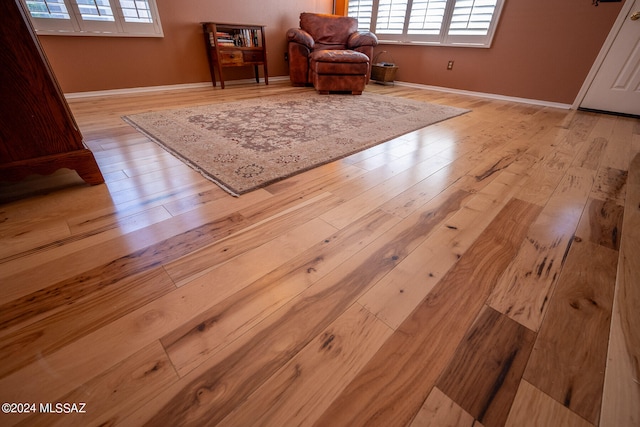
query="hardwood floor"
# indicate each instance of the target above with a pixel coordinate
(483, 271)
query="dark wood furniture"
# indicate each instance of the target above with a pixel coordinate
(38, 134)
(235, 45)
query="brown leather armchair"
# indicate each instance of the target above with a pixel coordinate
(329, 52)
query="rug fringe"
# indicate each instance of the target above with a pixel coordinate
(189, 163)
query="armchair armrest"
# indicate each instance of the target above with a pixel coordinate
(362, 38)
(300, 36)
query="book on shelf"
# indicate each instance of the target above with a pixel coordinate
(242, 37)
(222, 41)
(247, 37)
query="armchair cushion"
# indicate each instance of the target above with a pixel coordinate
(298, 35)
(339, 62)
(329, 31)
(362, 38)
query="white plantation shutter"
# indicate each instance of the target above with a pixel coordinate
(472, 17)
(391, 16)
(472, 22)
(363, 12)
(95, 10)
(95, 17)
(427, 17)
(52, 14)
(136, 11)
(444, 22)
(138, 16)
(53, 9)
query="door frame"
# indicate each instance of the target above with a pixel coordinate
(617, 25)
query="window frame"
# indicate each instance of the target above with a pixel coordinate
(76, 26)
(443, 38)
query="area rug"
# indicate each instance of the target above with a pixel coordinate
(248, 144)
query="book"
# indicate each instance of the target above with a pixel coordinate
(241, 37)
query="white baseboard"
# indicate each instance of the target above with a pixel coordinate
(134, 90)
(488, 95)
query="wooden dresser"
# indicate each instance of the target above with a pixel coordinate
(38, 134)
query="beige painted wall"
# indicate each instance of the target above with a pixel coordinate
(542, 49)
(101, 63)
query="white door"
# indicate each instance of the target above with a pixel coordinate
(616, 86)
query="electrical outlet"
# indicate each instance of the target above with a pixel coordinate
(450, 65)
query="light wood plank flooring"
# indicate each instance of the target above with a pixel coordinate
(483, 271)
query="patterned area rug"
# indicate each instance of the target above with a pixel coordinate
(249, 144)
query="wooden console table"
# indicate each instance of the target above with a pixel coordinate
(235, 45)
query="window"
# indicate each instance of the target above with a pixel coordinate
(95, 17)
(440, 22)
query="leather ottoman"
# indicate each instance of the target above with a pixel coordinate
(339, 71)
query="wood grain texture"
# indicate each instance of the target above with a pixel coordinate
(602, 223)
(484, 374)
(152, 321)
(109, 270)
(41, 338)
(24, 234)
(622, 379)
(440, 411)
(118, 390)
(230, 381)
(54, 296)
(610, 185)
(196, 340)
(534, 408)
(398, 293)
(198, 262)
(362, 203)
(394, 297)
(391, 389)
(300, 392)
(618, 152)
(569, 357)
(525, 289)
(160, 300)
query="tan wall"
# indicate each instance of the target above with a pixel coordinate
(542, 49)
(101, 63)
